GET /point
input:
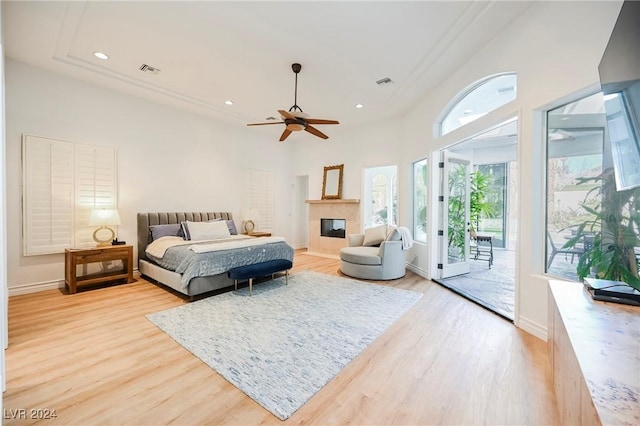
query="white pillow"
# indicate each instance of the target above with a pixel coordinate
(374, 236)
(208, 230)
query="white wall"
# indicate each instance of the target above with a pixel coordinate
(555, 53)
(167, 159)
(554, 50)
(3, 225)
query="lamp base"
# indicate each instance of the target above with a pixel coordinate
(249, 226)
(103, 242)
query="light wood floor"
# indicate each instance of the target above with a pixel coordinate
(94, 358)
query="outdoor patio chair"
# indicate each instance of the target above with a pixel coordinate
(573, 251)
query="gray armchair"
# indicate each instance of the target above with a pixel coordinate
(387, 262)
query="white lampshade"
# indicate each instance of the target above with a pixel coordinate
(251, 214)
(104, 217)
(250, 217)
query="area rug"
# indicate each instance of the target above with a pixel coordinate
(284, 343)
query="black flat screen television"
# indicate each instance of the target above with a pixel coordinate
(619, 71)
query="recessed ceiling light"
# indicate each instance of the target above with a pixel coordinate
(101, 55)
(228, 102)
(359, 106)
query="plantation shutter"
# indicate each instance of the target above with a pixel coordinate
(95, 187)
(258, 194)
(48, 195)
(62, 182)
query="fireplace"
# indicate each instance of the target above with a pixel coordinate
(333, 228)
(344, 209)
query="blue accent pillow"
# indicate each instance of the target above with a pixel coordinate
(232, 227)
(168, 230)
(185, 230)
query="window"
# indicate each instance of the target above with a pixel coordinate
(62, 183)
(480, 99)
(492, 214)
(381, 196)
(420, 200)
(575, 144)
(258, 198)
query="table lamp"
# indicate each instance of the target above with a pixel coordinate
(250, 216)
(104, 218)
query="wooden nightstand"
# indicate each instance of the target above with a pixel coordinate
(259, 234)
(75, 257)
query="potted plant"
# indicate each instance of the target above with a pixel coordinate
(613, 227)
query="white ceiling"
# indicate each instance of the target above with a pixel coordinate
(209, 52)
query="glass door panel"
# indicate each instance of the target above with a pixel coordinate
(456, 211)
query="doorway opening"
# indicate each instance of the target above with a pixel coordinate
(478, 219)
(301, 213)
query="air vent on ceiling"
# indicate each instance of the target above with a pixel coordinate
(384, 81)
(149, 69)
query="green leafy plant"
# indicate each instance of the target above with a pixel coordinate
(614, 227)
(479, 207)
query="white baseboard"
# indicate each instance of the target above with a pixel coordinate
(35, 287)
(328, 256)
(418, 271)
(532, 327)
(41, 286)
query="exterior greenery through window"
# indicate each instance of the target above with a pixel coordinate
(483, 206)
(491, 183)
(381, 196)
(420, 200)
(592, 229)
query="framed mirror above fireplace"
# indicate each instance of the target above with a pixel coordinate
(332, 182)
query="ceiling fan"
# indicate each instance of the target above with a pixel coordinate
(295, 119)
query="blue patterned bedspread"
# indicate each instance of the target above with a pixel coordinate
(190, 264)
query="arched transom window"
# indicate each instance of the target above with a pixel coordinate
(479, 99)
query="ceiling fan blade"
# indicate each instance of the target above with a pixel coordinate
(264, 124)
(286, 114)
(320, 121)
(285, 134)
(316, 132)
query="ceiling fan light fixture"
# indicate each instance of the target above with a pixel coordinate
(295, 119)
(300, 114)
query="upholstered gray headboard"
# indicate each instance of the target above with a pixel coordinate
(147, 219)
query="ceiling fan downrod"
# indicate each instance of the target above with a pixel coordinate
(296, 69)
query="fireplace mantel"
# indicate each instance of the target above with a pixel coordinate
(345, 201)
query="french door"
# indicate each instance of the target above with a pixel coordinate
(455, 206)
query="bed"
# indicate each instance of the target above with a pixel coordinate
(205, 269)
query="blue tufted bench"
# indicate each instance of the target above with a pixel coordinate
(249, 272)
